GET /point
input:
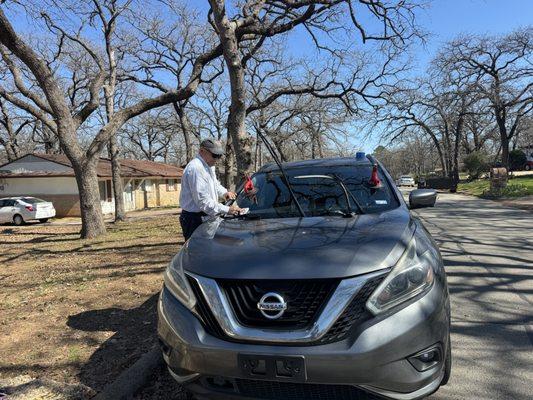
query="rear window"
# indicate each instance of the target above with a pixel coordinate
(33, 200)
(316, 195)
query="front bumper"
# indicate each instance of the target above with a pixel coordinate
(373, 358)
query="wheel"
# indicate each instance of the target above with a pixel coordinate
(447, 364)
(528, 167)
(43, 220)
(18, 220)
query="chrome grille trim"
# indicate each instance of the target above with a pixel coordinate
(221, 309)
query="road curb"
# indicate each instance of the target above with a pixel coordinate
(133, 378)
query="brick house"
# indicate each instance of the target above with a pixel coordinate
(147, 184)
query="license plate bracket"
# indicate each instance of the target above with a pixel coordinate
(279, 368)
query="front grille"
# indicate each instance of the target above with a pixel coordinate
(305, 299)
(354, 315)
(311, 305)
(299, 391)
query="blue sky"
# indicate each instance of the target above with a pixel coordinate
(445, 19)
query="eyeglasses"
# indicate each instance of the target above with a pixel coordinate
(215, 156)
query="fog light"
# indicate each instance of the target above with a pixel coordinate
(427, 358)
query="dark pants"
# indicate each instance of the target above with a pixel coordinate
(189, 221)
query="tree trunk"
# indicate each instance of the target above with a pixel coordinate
(279, 147)
(505, 151)
(256, 155)
(186, 128)
(10, 150)
(242, 142)
(504, 137)
(92, 220)
(118, 186)
(229, 180)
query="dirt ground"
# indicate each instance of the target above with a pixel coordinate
(80, 311)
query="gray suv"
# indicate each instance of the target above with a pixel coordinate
(328, 288)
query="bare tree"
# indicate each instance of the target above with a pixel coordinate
(242, 35)
(163, 51)
(52, 104)
(500, 68)
(149, 135)
(441, 107)
(14, 130)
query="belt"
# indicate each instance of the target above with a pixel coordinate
(192, 213)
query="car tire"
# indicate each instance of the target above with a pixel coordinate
(18, 220)
(43, 220)
(447, 364)
(528, 167)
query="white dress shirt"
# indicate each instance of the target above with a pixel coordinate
(200, 189)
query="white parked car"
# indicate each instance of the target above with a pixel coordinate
(21, 209)
(406, 180)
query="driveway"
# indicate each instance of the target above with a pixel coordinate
(488, 253)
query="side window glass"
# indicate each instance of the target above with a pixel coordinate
(2, 203)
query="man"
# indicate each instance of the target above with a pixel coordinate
(200, 189)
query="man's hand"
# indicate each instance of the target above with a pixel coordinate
(234, 209)
(230, 195)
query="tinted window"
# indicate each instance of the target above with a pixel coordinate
(2, 203)
(317, 196)
(33, 200)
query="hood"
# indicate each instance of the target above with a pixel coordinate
(298, 248)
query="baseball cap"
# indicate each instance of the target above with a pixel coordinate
(213, 146)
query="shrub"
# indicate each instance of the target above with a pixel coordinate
(511, 190)
(517, 160)
(475, 164)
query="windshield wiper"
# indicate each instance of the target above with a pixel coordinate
(285, 177)
(341, 182)
(340, 213)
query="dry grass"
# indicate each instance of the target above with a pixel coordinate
(81, 310)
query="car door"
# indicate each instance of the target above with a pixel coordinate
(6, 213)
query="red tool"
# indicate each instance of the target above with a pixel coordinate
(249, 189)
(374, 181)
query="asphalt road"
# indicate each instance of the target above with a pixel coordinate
(488, 253)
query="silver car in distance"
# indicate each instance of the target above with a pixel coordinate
(335, 292)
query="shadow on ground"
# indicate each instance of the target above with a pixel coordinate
(135, 334)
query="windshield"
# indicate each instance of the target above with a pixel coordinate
(32, 200)
(317, 195)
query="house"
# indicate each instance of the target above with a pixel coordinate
(51, 177)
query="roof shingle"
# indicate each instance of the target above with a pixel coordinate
(129, 168)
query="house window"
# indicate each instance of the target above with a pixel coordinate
(171, 185)
(147, 185)
(109, 191)
(106, 193)
(101, 187)
(128, 192)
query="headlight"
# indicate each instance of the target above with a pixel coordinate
(177, 283)
(412, 275)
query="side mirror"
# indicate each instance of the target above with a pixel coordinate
(420, 198)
